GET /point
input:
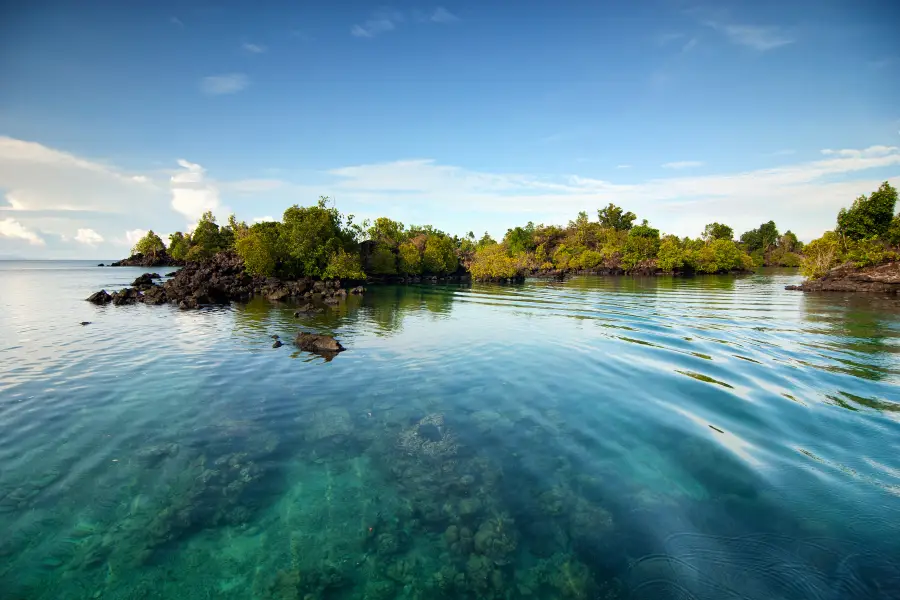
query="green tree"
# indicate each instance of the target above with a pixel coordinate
(382, 261)
(410, 259)
(343, 265)
(821, 255)
(206, 239)
(762, 238)
(789, 242)
(670, 256)
(642, 244)
(717, 231)
(486, 240)
(149, 245)
(440, 254)
(312, 235)
(614, 217)
(493, 262)
(388, 232)
(179, 245)
(520, 239)
(893, 235)
(260, 247)
(869, 217)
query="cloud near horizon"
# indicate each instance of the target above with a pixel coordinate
(218, 85)
(51, 195)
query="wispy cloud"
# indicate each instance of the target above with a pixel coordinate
(380, 22)
(664, 39)
(12, 229)
(871, 151)
(442, 15)
(758, 37)
(691, 43)
(216, 85)
(88, 237)
(682, 164)
(253, 48)
(176, 21)
(386, 20)
(623, 166)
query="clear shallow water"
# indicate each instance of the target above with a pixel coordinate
(603, 438)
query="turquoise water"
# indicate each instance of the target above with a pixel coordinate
(657, 438)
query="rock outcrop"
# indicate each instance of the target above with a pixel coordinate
(221, 280)
(316, 343)
(848, 278)
(157, 259)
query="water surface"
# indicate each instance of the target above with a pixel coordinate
(647, 438)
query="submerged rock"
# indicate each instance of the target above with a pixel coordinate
(318, 343)
(307, 309)
(101, 297)
(277, 344)
(145, 280)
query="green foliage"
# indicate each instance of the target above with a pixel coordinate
(312, 236)
(149, 244)
(382, 261)
(869, 217)
(387, 232)
(493, 262)
(520, 239)
(260, 247)
(614, 217)
(868, 252)
(589, 259)
(410, 259)
(343, 265)
(821, 255)
(179, 245)
(207, 239)
(717, 231)
(238, 228)
(893, 234)
(720, 256)
(440, 254)
(761, 238)
(790, 243)
(486, 240)
(641, 245)
(671, 254)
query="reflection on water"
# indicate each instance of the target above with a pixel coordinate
(646, 438)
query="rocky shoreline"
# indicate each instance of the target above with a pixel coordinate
(883, 278)
(218, 281)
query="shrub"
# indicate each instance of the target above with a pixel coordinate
(821, 255)
(382, 261)
(671, 254)
(589, 259)
(149, 244)
(260, 247)
(410, 260)
(869, 217)
(439, 256)
(343, 265)
(493, 262)
(868, 252)
(641, 245)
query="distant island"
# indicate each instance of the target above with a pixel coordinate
(317, 242)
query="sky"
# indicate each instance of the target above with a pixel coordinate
(118, 117)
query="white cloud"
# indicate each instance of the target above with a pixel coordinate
(758, 37)
(682, 164)
(89, 237)
(804, 197)
(133, 236)
(38, 178)
(870, 151)
(253, 48)
(381, 21)
(691, 43)
(12, 229)
(623, 166)
(262, 219)
(192, 193)
(442, 15)
(217, 85)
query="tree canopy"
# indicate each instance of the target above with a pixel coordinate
(149, 244)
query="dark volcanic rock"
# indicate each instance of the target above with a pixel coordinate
(157, 259)
(318, 343)
(848, 278)
(307, 309)
(100, 297)
(126, 296)
(145, 280)
(83, 323)
(101, 265)
(358, 290)
(277, 344)
(155, 295)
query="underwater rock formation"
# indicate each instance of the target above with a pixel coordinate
(428, 438)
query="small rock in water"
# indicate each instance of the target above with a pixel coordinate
(275, 336)
(85, 323)
(324, 345)
(101, 265)
(277, 344)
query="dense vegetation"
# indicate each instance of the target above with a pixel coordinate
(867, 233)
(318, 241)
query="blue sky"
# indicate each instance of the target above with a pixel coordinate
(117, 117)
